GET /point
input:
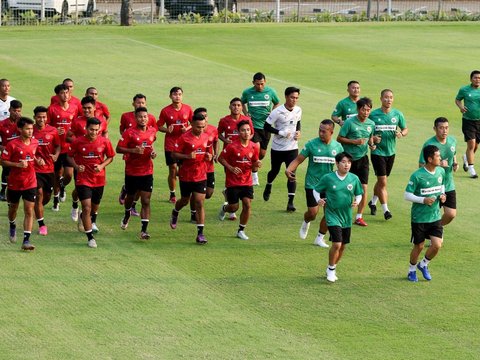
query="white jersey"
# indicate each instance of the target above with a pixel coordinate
(5, 107)
(284, 121)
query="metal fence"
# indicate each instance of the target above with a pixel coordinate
(17, 12)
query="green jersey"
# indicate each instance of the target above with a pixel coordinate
(321, 158)
(386, 127)
(355, 129)
(471, 100)
(340, 194)
(447, 152)
(346, 108)
(259, 104)
(426, 184)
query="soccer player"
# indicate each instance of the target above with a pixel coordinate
(5, 99)
(72, 100)
(468, 101)
(447, 146)
(8, 132)
(347, 107)
(390, 125)
(258, 101)
(356, 136)
(174, 120)
(191, 149)
(60, 115)
(89, 155)
(342, 191)
(101, 110)
(426, 191)
(19, 155)
(320, 153)
(240, 158)
(136, 144)
(48, 150)
(284, 123)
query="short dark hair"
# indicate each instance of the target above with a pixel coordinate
(141, 109)
(88, 100)
(291, 89)
(3, 81)
(198, 116)
(139, 96)
(364, 101)
(352, 82)
(39, 109)
(16, 104)
(235, 99)
(258, 76)
(175, 89)
(474, 72)
(328, 122)
(67, 79)
(241, 123)
(24, 121)
(429, 151)
(384, 91)
(92, 121)
(440, 120)
(90, 88)
(342, 155)
(60, 87)
(199, 110)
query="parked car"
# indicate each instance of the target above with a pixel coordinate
(202, 7)
(52, 7)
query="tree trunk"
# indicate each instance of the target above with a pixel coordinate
(126, 13)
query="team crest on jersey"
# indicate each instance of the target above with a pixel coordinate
(48, 137)
(350, 187)
(250, 154)
(152, 138)
(369, 128)
(393, 120)
(439, 179)
(452, 149)
(267, 97)
(334, 152)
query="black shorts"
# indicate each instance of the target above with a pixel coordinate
(189, 187)
(360, 168)
(339, 234)
(87, 192)
(13, 196)
(422, 231)
(169, 160)
(211, 180)
(471, 130)
(138, 183)
(261, 136)
(277, 158)
(45, 182)
(382, 165)
(236, 193)
(311, 202)
(451, 201)
(62, 162)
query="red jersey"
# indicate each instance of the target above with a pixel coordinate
(58, 117)
(48, 140)
(178, 118)
(74, 101)
(212, 133)
(90, 153)
(242, 157)
(138, 164)
(8, 131)
(21, 178)
(192, 170)
(79, 126)
(227, 127)
(128, 121)
(101, 111)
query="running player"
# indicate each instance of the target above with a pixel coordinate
(72, 100)
(101, 110)
(5, 99)
(347, 107)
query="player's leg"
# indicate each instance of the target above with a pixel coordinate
(288, 157)
(418, 236)
(145, 197)
(13, 198)
(333, 254)
(5, 172)
(469, 130)
(310, 214)
(85, 196)
(449, 208)
(66, 179)
(185, 194)
(276, 161)
(28, 209)
(38, 207)
(56, 182)
(199, 197)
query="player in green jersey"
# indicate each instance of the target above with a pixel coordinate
(390, 125)
(426, 190)
(347, 107)
(447, 146)
(343, 191)
(320, 153)
(470, 109)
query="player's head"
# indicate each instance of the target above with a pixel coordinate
(141, 116)
(40, 115)
(440, 126)
(203, 111)
(139, 100)
(344, 162)
(472, 74)
(386, 97)
(364, 106)
(353, 88)
(62, 92)
(475, 78)
(325, 130)
(244, 129)
(259, 81)
(92, 91)
(88, 106)
(15, 110)
(292, 94)
(176, 94)
(25, 125)
(69, 84)
(198, 123)
(93, 127)
(235, 106)
(4, 87)
(431, 154)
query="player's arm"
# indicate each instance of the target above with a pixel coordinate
(100, 167)
(460, 105)
(292, 167)
(70, 136)
(402, 133)
(345, 140)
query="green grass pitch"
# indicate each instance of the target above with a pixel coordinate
(266, 298)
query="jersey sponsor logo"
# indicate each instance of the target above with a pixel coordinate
(385, 127)
(90, 155)
(431, 190)
(258, 103)
(243, 160)
(323, 160)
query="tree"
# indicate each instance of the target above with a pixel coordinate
(126, 13)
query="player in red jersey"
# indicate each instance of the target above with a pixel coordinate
(101, 110)
(136, 144)
(240, 158)
(72, 100)
(48, 150)
(127, 121)
(60, 115)
(174, 120)
(8, 132)
(191, 149)
(89, 155)
(19, 155)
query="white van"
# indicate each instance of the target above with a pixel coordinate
(52, 7)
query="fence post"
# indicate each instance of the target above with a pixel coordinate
(225, 9)
(439, 9)
(277, 10)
